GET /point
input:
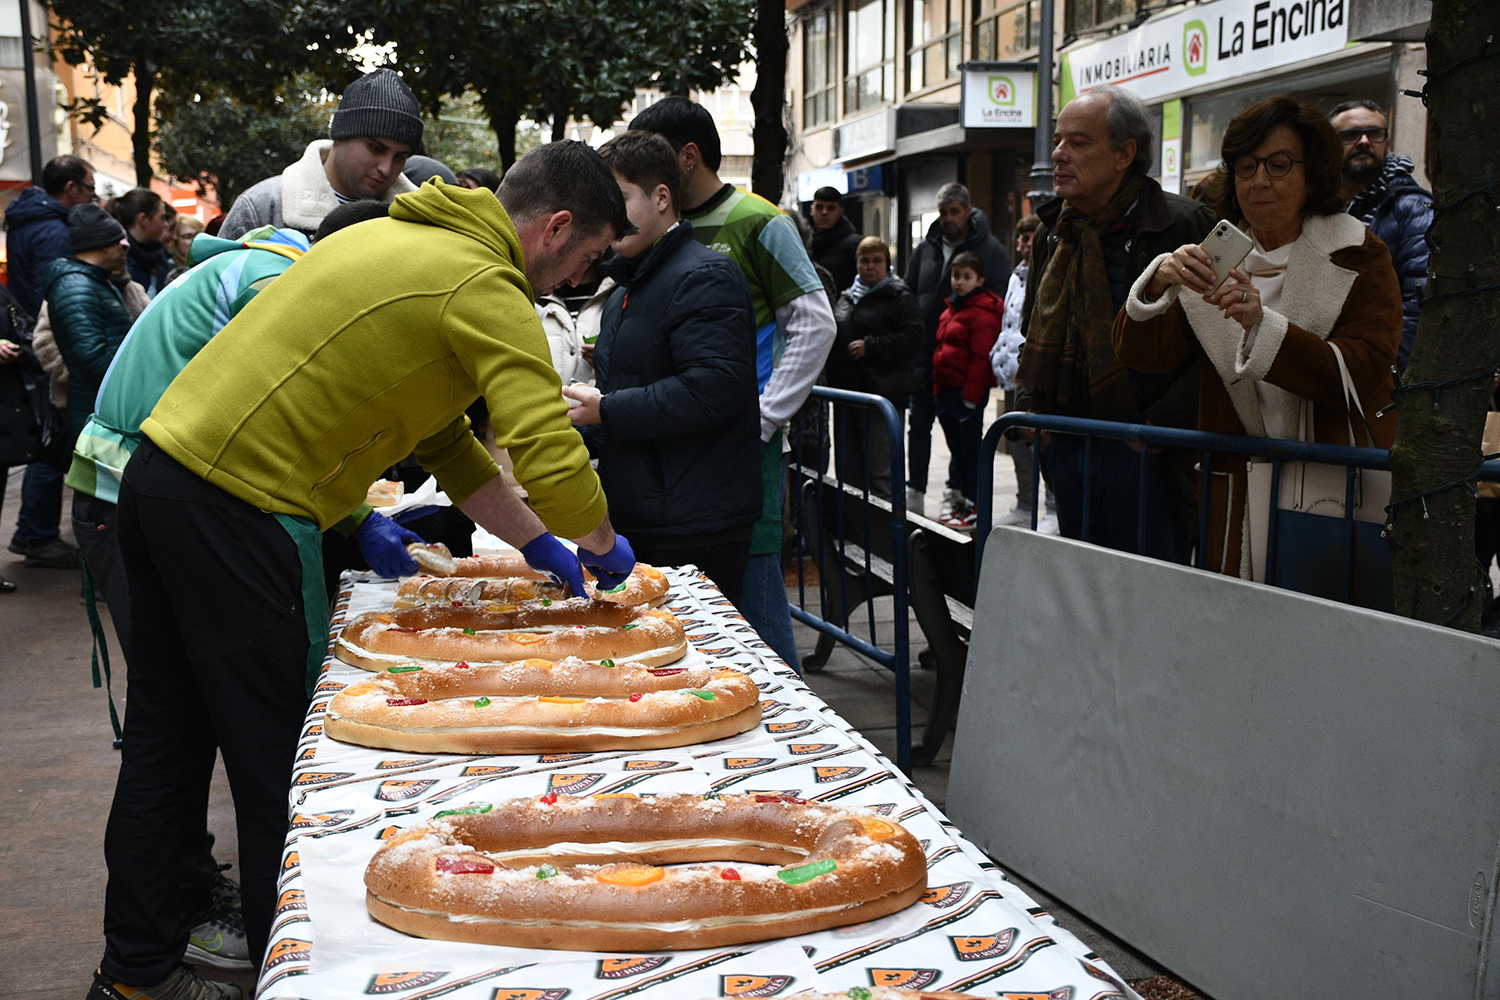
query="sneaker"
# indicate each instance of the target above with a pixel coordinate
(962, 516)
(1047, 523)
(916, 502)
(1018, 517)
(951, 499)
(180, 985)
(226, 891)
(219, 941)
(56, 554)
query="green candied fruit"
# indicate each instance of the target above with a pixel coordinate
(618, 590)
(858, 993)
(705, 695)
(546, 602)
(711, 795)
(607, 663)
(627, 628)
(546, 871)
(807, 872)
(482, 703)
(402, 670)
(468, 631)
(482, 807)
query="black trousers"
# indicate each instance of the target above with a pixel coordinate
(721, 555)
(218, 660)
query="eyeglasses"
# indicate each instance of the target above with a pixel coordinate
(1349, 136)
(1277, 165)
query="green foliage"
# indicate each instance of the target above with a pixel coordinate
(460, 135)
(214, 139)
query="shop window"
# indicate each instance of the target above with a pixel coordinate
(818, 62)
(1086, 15)
(869, 54)
(1004, 29)
(936, 43)
(1206, 118)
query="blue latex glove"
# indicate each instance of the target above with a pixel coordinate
(411, 514)
(383, 543)
(546, 554)
(613, 567)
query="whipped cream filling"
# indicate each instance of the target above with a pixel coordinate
(610, 848)
(672, 926)
(400, 658)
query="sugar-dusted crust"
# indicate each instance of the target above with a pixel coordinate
(647, 585)
(550, 630)
(385, 493)
(582, 873)
(536, 706)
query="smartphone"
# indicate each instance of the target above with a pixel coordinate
(1227, 247)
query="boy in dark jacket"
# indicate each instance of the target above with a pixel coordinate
(675, 416)
(961, 380)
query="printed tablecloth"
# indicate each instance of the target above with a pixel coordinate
(973, 931)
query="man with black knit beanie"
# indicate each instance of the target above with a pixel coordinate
(378, 124)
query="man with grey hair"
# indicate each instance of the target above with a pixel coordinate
(959, 227)
(1109, 221)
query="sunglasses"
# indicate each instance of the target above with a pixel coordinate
(1349, 136)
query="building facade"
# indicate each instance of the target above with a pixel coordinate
(884, 93)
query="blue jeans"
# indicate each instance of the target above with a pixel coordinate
(764, 605)
(963, 427)
(1114, 493)
(919, 434)
(41, 504)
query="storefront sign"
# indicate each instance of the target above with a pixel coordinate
(1207, 44)
(1171, 147)
(844, 182)
(999, 95)
(867, 136)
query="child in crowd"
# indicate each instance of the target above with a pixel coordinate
(961, 380)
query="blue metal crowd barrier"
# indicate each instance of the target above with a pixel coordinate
(1205, 444)
(840, 521)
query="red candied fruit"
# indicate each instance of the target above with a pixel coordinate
(458, 604)
(460, 665)
(729, 874)
(636, 696)
(550, 798)
(405, 630)
(668, 671)
(460, 866)
(781, 798)
(405, 702)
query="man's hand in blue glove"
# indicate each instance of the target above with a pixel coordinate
(383, 543)
(613, 567)
(546, 554)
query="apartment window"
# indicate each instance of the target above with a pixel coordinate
(869, 54)
(1086, 15)
(936, 43)
(818, 61)
(1004, 29)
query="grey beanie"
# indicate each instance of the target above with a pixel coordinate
(420, 168)
(91, 227)
(381, 105)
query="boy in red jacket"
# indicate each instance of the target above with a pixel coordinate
(961, 380)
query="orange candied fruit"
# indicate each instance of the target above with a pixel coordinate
(355, 690)
(877, 829)
(616, 795)
(632, 876)
(559, 699)
(527, 638)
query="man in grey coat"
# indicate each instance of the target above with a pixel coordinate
(378, 125)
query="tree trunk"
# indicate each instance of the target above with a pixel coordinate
(140, 137)
(503, 120)
(1437, 440)
(767, 175)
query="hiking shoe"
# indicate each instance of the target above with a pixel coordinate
(219, 940)
(180, 985)
(226, 891)
(56, 554)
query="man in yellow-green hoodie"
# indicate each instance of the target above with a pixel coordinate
(365, 350)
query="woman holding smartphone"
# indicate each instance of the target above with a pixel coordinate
(1316, 287)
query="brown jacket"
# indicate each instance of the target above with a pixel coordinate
(1340, 288)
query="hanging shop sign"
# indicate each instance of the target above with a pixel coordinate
(1207, 44)
(868, 136)
(998, 95)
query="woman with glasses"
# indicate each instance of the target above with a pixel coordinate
(1316, 287)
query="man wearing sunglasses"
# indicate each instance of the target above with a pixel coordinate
(1380, 191)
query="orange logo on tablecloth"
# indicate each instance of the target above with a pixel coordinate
(622, 968)
(780, 728)
(506, 993)
(944, 896)
(397, 791)
(395, 982)
(910, 978)
(572, 784)
(307, 754)
(292, 899)
(288, 950)
(303, 821)
(391, 765)
(1061, 993)
(319, 777)
(803, 749)
(484, 770)
(753, 986)
(741, 763)
(646, 765)
(559, 758)
(824, 775)
(979, 947)
(291, 861)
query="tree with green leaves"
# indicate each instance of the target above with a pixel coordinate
(199, 46)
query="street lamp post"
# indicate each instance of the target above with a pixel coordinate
(1041, 167)
(28, 72)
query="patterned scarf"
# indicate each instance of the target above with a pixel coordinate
(1069, 362)
(1364, 204)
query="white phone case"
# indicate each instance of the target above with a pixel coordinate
(1227, 246)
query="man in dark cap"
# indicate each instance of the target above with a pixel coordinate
(378, 125)
(834, 237)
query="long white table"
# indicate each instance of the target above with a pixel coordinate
(974, 931)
